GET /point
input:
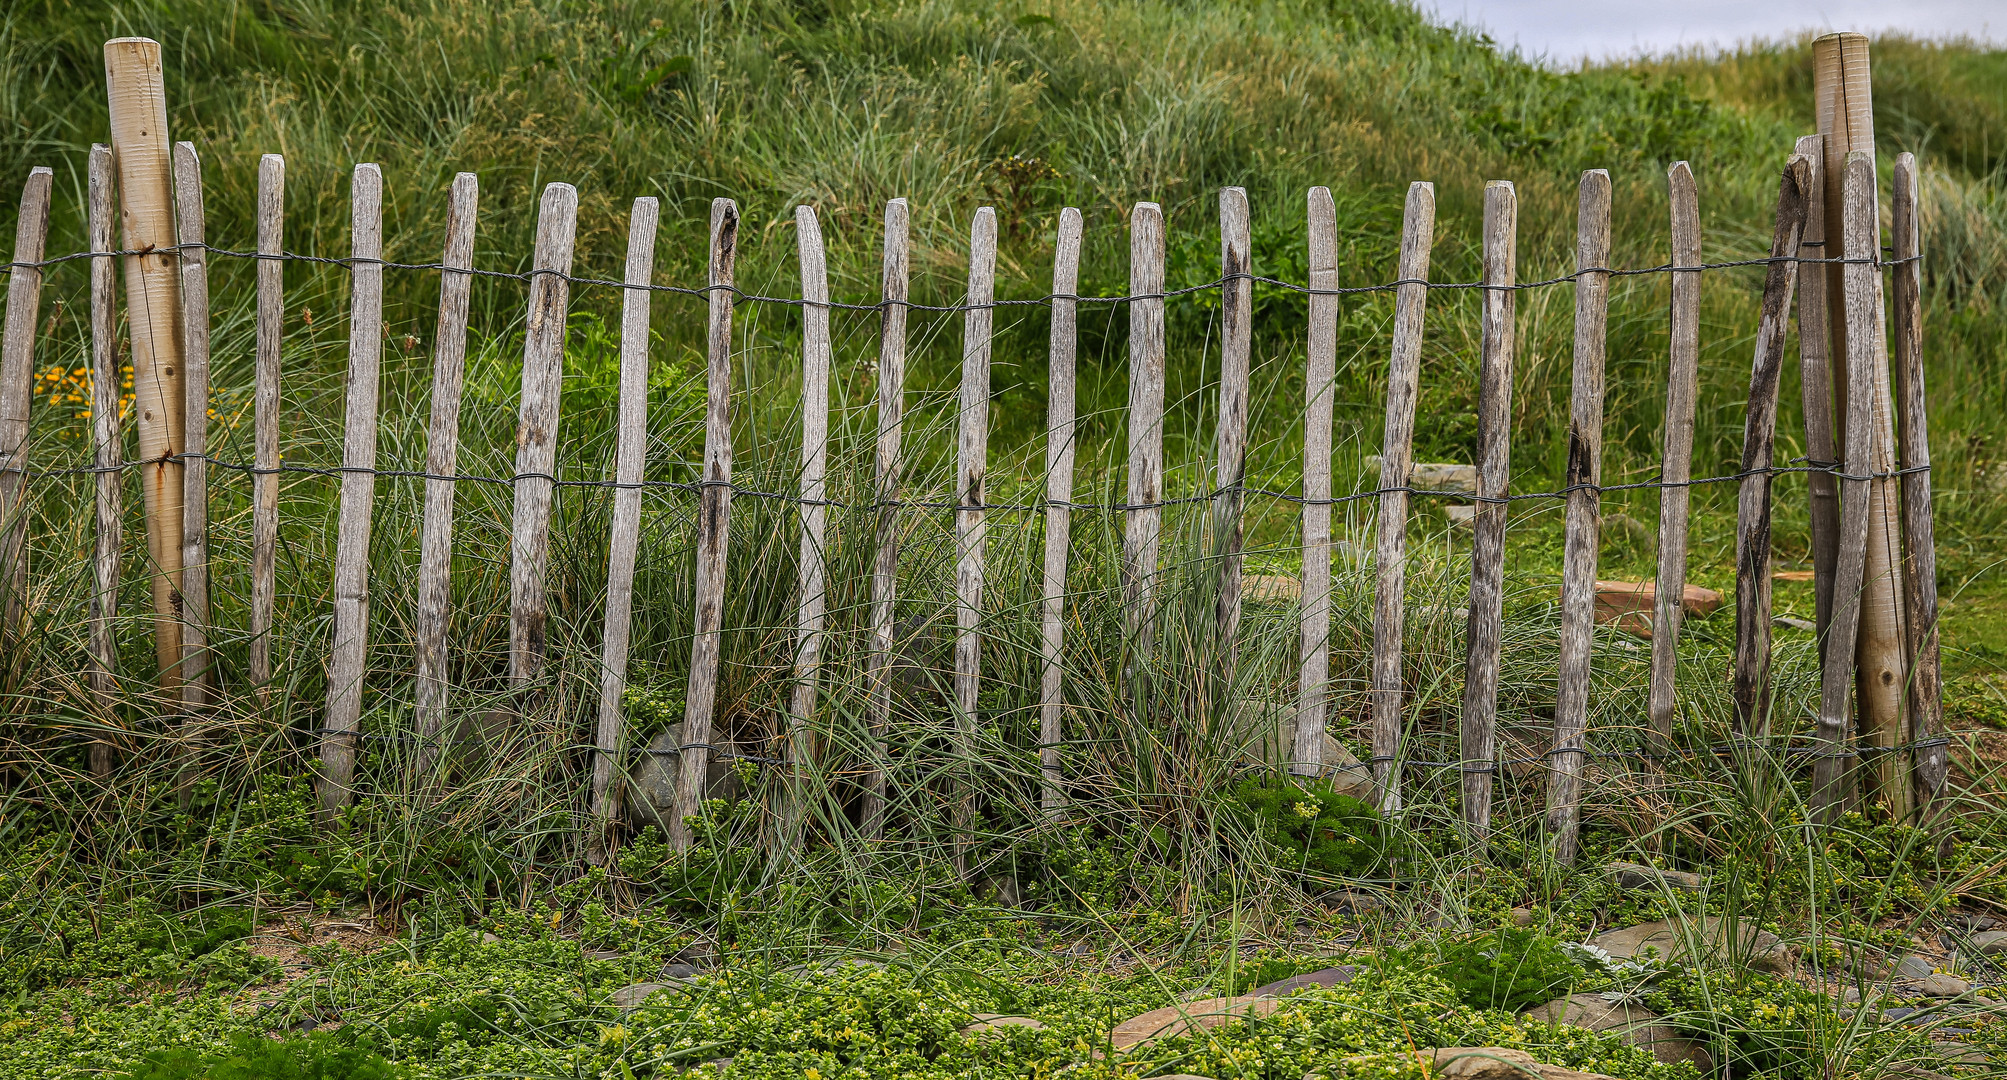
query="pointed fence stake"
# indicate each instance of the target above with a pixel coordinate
(265, 423)
(17, 375)
(972, 442)
(1676, 460)
(107, 454)
(1144, 514)
(811, 595)
(1059, 453)
(1230, 473)
(1487, 547)
(885, 566)
(537, 433)
(1926, 685)
(194, 257)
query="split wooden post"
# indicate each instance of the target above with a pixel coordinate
(1832, 780)
(624, 538)
(194, 256)
(1230, 474)
(537, 431)
(107, 455)
(434, 617)
(348, 660)
(1926, 688)
(1494, 472)
(265, 421)
(885, 566)
(1320, 372)
(1144, 512)
(811, 595)
(1815, 380)
(714, 519)
(1759, 433)
(17, 375)
(1059, 453)
(972, 447)
(1676, 460)
(1397, 452)
(1842, 93)
(1584, 515)
(153, 306)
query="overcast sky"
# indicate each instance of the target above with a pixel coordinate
(1565, 31)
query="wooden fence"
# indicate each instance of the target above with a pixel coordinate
(168, 273)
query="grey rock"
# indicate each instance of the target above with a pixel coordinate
(1705, 936)
(651, 794)
(1942, 986)
(631, 997)
(1629, 875)
(993, 1022)
(1914, 967)
(1520, 916)
(1267, 733)
(1974, 924)
(1314, 980)
(1434, 475)
(681, 971)
(1353, 903)
(1990, 943)
(1634, 1024)
(999, 889)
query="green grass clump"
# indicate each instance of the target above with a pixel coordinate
(1509, 968)
(314, 1057)
(1318, 829)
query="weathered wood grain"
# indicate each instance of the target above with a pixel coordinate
(1230, 465)
(1320, 372)
(1487, 550)
(194, 258)
(1926, 679)
(1062, 353)
(624, 533)
(17, 375)
(1759, 434)
(811, 590)
(1676, 450)
(107, 456)
(348, 658)
(1143, 527)
(1584, 514)
(433, 618)
(537, 432)
(972, 443)
(890, 469)
(714, 519)
(265, 406)
(1815, 382)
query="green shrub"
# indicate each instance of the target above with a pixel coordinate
(316, 1057)
(1508, 968)
(1318, 829)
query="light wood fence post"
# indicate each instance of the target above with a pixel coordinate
(348, 660)
(1926, 688)
(537, 432)
(1230, 473)
(1494, 473)
(107, 454)
(1397, 445)
(1144, 514)
(972, 444)
(194, 258)
(1584, 515)
(1676, 460)
(1815, 381)
(624, 535)
(1320, 372)
(17, 376)
(265, 421)
(1759, 433)
(434, 616)
(885, 567)
(153, 307)
(714, 519)
(1059, 454)
(811, 595)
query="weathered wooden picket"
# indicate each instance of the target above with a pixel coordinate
(168, 291)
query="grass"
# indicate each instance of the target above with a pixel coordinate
(1159, 866)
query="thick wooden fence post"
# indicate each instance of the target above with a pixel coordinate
(265, 421)
(1059, 452)
(1926, 688)
(1842, 92)
(107, 455)
(1397, 449)
(1230, 474)
(1759, 432)
(1144, 513)
(17, 374)
(714, 519)
(194, 257)
(434, 616)
(1320, 372)
(348, 660)
(1676, 461)
(1832, 780)
(153, 307)
(885, 567)
(972, 448)
(1584, 521)
(1815, 380)
(537, 433)
(811, 595)
(624, 537)
(1494, 473)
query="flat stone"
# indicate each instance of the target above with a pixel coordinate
(1520, 916)
(1267, 733)
(631, 997)
(1460, 515)
(1634, 1024)
(1433, 475)
(1628, 605)
(989, 1022)
(651, 794)
(681, 971)
(1990, 943)
(602, 954)
(1179, 1019)
(1314, 980)
(1630, 875)
(1709, 932)
(1942, 986)
(1270, 589)
(1914, 967)
(1352, 903)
